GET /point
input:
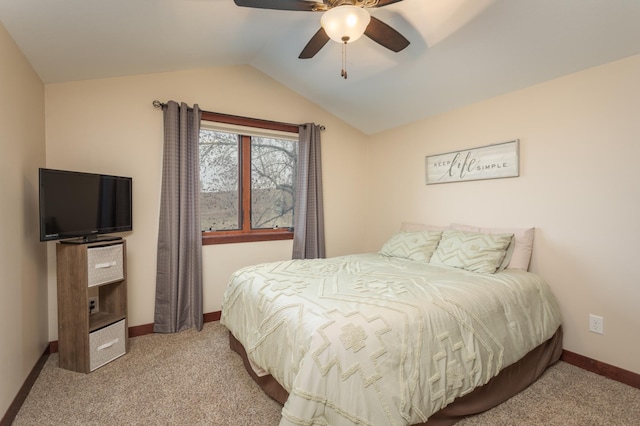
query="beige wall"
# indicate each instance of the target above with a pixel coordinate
(110, 126)
(578, 185)
(23, 303)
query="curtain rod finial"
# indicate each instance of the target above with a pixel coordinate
(157, 104)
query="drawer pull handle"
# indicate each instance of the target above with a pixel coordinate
(108, 344)
(105, 265)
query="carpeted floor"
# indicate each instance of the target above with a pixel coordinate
(193, 378)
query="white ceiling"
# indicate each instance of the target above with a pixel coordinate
(461, 51)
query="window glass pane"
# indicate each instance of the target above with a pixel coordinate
(273, 167)
(219, 190)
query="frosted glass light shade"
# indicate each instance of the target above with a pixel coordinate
(345, 23)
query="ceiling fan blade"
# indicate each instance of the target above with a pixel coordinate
(316, 43)
(382, 3)
(302, 5)
(386, 36)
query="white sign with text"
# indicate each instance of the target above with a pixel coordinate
(487, 162)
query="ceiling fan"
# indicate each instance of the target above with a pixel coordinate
(347, 10)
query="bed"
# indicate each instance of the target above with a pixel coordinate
(403, 336)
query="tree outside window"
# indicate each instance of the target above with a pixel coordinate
(247, 185)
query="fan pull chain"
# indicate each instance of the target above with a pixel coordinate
(343, 73)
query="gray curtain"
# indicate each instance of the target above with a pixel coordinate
(178, 304)
(308, 216)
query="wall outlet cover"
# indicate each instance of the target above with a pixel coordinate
(596, 324)
(93, 305)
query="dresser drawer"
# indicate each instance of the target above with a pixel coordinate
(107, 344)
(105, 264)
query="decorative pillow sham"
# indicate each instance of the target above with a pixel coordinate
(472, 251)
(418, 246)
(519, 254)
(413, 227)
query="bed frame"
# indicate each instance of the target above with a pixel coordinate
(510, 381)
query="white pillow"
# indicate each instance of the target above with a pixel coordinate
(522, 249)
(417, 246)
(473, 251)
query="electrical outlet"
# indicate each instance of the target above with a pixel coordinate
(596, 324)
(93, 305)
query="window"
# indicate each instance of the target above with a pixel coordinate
(247, 179)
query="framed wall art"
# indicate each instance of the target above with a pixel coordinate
(488, 162)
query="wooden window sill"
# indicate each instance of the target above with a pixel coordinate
(210, 238)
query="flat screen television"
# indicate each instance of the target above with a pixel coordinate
(81, 207)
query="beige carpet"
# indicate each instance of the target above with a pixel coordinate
(193, 378)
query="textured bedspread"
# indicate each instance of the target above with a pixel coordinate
(369, 339)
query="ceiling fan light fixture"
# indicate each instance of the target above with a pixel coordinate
(345, 24)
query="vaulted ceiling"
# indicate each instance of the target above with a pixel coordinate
(461, 51)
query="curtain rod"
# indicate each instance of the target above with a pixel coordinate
(240, 120)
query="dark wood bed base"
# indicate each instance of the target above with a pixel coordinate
(506, 384)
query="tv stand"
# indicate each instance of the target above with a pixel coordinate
(92, 304)
(91, 239)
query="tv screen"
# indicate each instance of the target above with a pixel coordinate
(76, 204)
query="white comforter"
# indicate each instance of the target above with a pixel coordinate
(369, 339)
